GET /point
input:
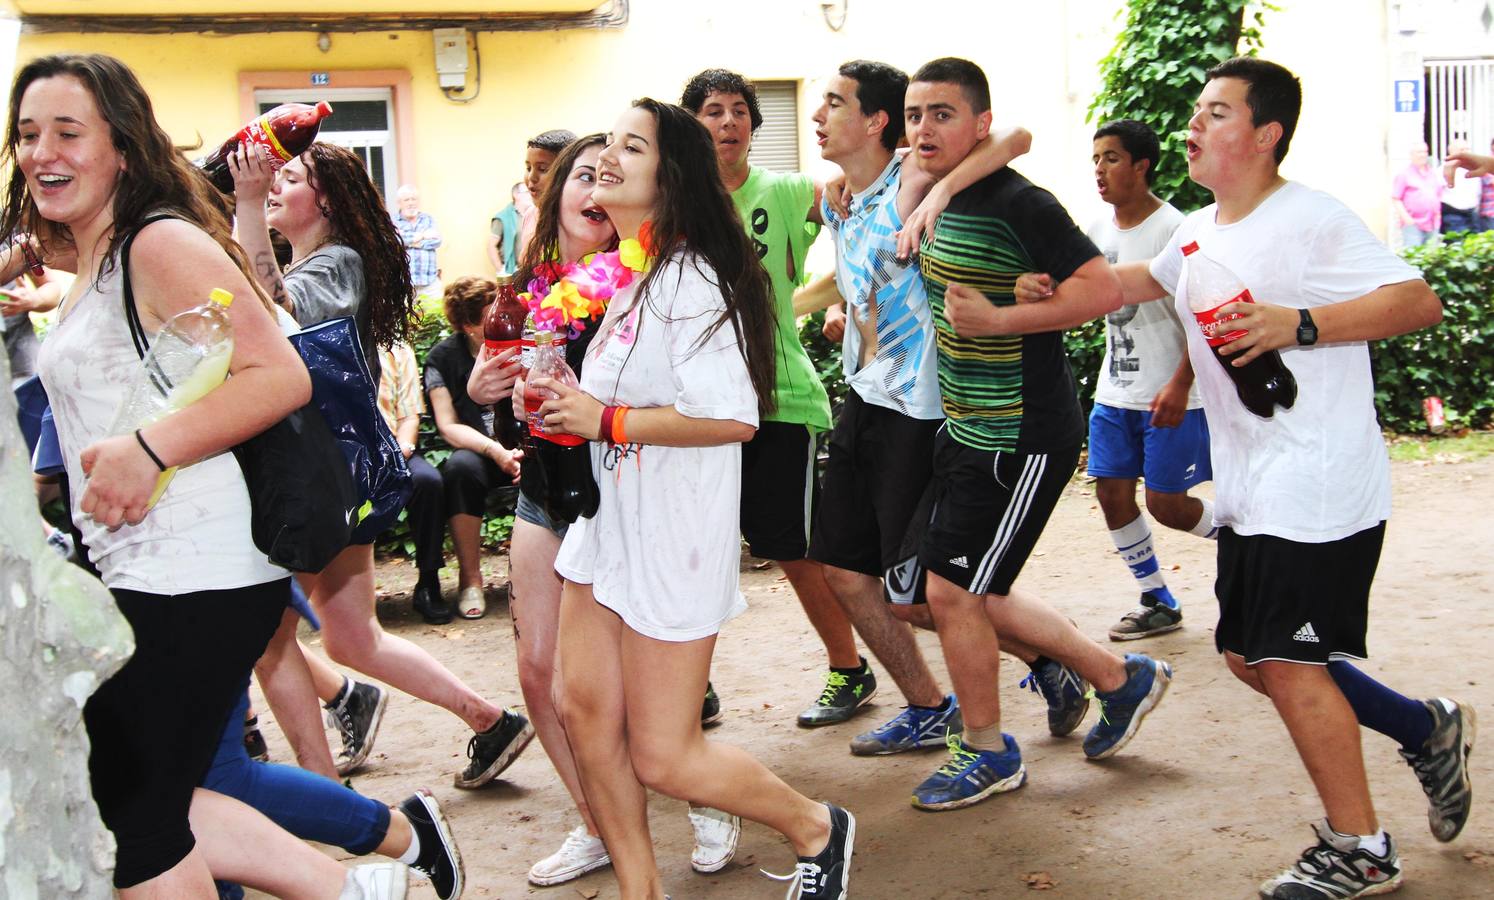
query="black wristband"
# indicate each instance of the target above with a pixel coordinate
(139, 438)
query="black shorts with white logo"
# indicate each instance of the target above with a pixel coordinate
(1293, 601)
(879, 464)
(988, 510)
(778, 490)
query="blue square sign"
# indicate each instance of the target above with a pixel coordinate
(1408, 96)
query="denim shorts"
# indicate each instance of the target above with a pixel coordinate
(534, 513)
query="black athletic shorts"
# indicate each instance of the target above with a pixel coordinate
(1287, 600)
(778, 488)
(879, 465)
(988, 511)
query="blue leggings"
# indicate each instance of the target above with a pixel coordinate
(309, 806)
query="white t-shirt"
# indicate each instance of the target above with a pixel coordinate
(663, 550)
(1144, 342)
(1465, 191)
(1316, 472)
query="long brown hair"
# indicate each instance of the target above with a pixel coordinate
(356, 215)
(545, 244)
(157, 176)
(693, 211)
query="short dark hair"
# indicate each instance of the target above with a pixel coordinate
(466, 298)
(962, 72)
(553, 140)
(1138, 139)
(1272, 92)
(880, 88)
(720, 81)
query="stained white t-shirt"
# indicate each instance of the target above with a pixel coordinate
(1144, 342)
(1317, 472)
(663, 550)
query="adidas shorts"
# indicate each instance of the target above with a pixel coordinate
(1291, 601)
(988, 510)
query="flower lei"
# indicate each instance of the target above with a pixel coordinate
(567, 296)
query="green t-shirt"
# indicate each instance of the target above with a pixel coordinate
(774, 207)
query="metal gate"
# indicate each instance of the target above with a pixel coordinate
(1460, 103)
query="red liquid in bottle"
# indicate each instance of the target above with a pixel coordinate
(503, 327)
(549, 362)
(1265, 382)
(286, 131)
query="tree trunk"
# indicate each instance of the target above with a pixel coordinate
(61, 637)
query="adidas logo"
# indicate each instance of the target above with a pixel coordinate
(960, 561)
(1305, 634)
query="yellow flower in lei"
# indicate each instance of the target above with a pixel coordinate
(630, 253)
(567, 300)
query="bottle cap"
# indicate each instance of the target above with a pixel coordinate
(323, 109)
(1189, 248)
(543, 337)
(220, 297)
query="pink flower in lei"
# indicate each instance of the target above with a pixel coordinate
(571, 295)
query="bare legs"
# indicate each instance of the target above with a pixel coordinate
(889, 640)
(286, 675)
(535, 608)
(823, 611)
(466, 539)
(343, 596)
(632, 712)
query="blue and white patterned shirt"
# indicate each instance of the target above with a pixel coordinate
(901, 374)
(423, 258)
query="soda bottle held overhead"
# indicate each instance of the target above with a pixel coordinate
(188, 357)
(285, 131)
(549, 362)
(1265, 383)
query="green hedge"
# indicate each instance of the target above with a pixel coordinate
(1453, 360)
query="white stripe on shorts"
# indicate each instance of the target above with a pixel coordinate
(1011, 520)
(809, 483)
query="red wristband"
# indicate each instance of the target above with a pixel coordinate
(605, 432)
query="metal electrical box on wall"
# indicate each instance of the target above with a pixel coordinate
(451, 57)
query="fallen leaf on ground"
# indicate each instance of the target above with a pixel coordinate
(588, 893)
(1039, 881)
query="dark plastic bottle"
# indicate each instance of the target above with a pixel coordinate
(286, 131)
(1266, 382)
(503, 329)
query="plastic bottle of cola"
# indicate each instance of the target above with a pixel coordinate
(1266, 382)
(286, 131)
(549, 362)
(503, 329)
(188, 357)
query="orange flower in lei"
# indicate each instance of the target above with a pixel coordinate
(567, 296)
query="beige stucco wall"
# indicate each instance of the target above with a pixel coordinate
(1040, 59)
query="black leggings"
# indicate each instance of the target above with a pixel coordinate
(468, 478)
(154, 726)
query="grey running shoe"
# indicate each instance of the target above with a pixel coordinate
(842, 696)
(1152, 617)
(490, 752)
(1336, 868)
(357, 719)
(1442, 766)
(1066, 693)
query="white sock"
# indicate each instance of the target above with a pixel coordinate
(1206, 527)
(1375, 843)
(413, 853)
(1134, 541)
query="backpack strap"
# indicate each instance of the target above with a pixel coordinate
(132, 313)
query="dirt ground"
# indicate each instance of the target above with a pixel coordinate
(1207, 800)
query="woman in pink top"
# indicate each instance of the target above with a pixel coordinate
(1417, 195)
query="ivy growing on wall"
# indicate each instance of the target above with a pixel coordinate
(1156, 69)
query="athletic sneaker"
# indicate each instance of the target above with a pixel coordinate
(971, 775)
(716, 835)
(825, 877)
(439, 859)
(1336, 868)
(357, 719)
(376, 881)
(710, 709)
(1122, 709)
(1150, 618)
(581, 853)
(915, 728)
(1067, 695)
(490, 752)
(842, 696)
(1442, 766)
(254, 741)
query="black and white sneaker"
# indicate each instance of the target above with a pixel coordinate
(490, 752)
(825, 877)
(439, 859)
(1442, 766)
(254, 741)
(1336, 868)
(357, 719)
(710, 708)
